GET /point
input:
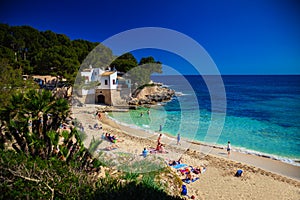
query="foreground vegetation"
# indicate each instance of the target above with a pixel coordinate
(40, 160)
(25, 177)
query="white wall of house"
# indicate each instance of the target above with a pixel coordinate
(84, 92)
(87, 75)
(95, 75)
(113, 81)
(109, 81)
(104, 82)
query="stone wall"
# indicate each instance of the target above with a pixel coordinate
(106, 96)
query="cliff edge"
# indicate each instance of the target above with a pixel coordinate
(151, 95)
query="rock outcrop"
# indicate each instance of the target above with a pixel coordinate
(152, 95)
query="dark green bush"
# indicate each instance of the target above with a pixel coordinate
(26, 177)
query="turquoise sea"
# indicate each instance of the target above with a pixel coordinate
(262, 115)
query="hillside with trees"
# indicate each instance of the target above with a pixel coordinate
(37, 52)
(138, 72)
(42, 52)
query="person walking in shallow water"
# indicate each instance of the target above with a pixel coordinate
(228, 148)
(178, 139)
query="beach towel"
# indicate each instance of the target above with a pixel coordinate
(178, 166)
(152, 150)
(190, 181)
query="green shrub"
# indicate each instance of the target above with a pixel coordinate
(29, 177)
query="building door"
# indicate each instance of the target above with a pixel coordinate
(101, 98)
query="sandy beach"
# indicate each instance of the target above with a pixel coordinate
(263, 178)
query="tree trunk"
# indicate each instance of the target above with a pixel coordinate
(21, 141)
(72, 152)
(55, 122)
(3, 139)
(29, 127)
(40, 124)
(16, 147)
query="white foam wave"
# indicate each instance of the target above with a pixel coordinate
(266, 155)
(295, 162)
(130, 125)
(166, 86)
(180, 94)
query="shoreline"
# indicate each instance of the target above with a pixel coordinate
(286, 160)
(264, 162)
(263, 178)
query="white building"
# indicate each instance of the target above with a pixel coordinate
(108, 91)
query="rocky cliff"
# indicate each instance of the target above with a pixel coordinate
(152, 95)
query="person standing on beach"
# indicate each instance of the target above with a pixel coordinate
(178, 139)
(228, 148)
(160, 128)
(158, 139)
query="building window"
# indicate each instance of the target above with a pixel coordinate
(114, 81)
(106, 82)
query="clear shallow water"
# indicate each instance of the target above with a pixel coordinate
(262, 117)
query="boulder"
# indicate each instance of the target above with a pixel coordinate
(152, 95)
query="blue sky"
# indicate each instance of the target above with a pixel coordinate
(241, 36)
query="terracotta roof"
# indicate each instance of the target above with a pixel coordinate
(107, 73)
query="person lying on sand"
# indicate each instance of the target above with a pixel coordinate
(202, 169)
(196, 170)
(113, 138)
(96, 126)
(160, 148)
(108, 137)
(189, 176)
(175, 162)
